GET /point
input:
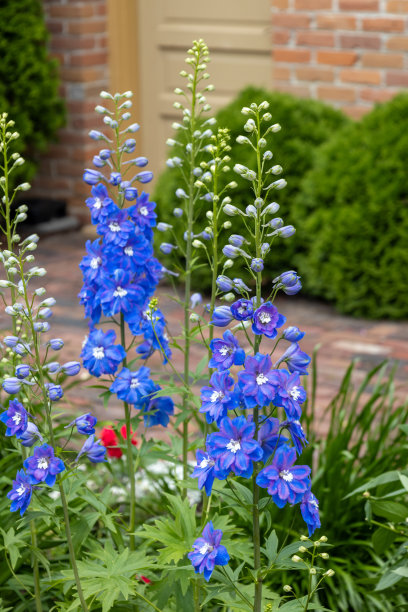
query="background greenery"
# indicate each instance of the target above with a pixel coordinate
(28, 79)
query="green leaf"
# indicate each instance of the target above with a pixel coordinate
(382, 539)
(271, 547)
(393, 511)
(387, 580)
(402, 571)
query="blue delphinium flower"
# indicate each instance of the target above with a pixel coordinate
(100, 205)
(309, 507)
(289, 394)
(242, 310)
(222, 316)
(31, 435)
(92, 264)
(269, 438)
(56, 344)
(54, 392)
(208, 552)
(23, 370)
(15, 418)
(297, 434)
(133, 387)
(158, 410)
(116, 230)
(100, 354)
(286, 483)
(258, 381)
(234, 447)
(295, 359)
(93, 450)
(226, 352)
(143, 211)
(266, 320)
(12, 385)
(205, 471)
(20, 493)
(293, 334)
(43, 465)
(71, 368)
(120, 294)
(85, 424)
(153, 328)
(90, 299)
(219, 397)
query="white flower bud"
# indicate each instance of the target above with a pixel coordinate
(329, 573)
(243, 140)
(275, 128)
(197, 244)
(296, 559)
(264, 105)
(302, 549)
(276, 169)
(209, 214)
(287, 588)
(29, 258)
(250, 126)
(228, 264)
(246, 111)
(16, 238)
(251, 211)
(267, 117)
(24, 187)
(106, 95)
(41, 291)
(40, 272)
(6, 283)
(31, 246)
(194, 317)
(227, 224)
(230, 210)
(21, 217)
(324, 555)
(312, 571)
(323, 539)
(12, 271)
(262, 143)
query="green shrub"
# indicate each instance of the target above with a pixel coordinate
(28, 79)
(354, 206)
(306, 124)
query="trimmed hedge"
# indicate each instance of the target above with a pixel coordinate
(306, 124)
(28, 79)
(354, 209)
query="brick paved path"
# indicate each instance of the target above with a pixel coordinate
(341, 338)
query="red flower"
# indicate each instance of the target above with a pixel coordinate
(110, 440)
(145, 580)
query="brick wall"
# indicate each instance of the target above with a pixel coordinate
(349, 53)
(79, 42)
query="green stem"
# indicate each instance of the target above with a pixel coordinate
(129, 453)
(196, 588)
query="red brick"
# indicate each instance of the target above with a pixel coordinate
(372, 77)
(336, 22)
(281, 73)
(337, 58)
(338, 94)
(315, 74)
(290, 21)
(88, 26)
(356, 112)
(71, 10)
(359, 5)
(383, 60)
(397, 79)
(315, 39)
(280, 37)
(377, 95)
(295, 90)
(89, 59)
(290, 55)
(353, 41)
(78, 75)
(280, 4)
(397, 6)
(383, 25)
(313, 5)
(73, 43)
(55, 27)
(398, 43)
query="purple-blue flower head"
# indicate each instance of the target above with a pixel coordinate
(116, 229)
(242, 310)
(269, 438)
(222, 316)
(100, 205)
(286, 483)
(23, 370)
(12, 385)
(234, 447)
(266, 320)
(100, 355)
(15, 418)
(31, 435)
(120, 294)
(258, 381)
(92, 177)
(133, 387)
(297, 434)
(289, 394)
(143, 211)
(54, 392)
(204, 471)
(85, 424)
(208, 552)
(158, 411)
(115, 178)
(226, 352)
(309, 507)
(219, 397)
(43, 466)
(292, 334)
(167, 248)
(239, 286)
(237, 240)
(21, 492)
(195, 300)
(295, 359)
(95, 452)
(71, 368)
(92, 263)
(224, 283)
(56, 344)
(257, 264)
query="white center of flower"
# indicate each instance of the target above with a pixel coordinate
(134, 384)
(144, 211)
(265, 317)
(295, 393)
(97, 204)
(98, 352)
(216, 395)
(242, 310)
(261, 379)
(234, 446)
(128, 251)
(313, 502)
(206, 548)
(225, 350)
(95, 262)
(286, 475)
(119, 292)
(21, 490)
(42, 463)
(16, 418)
(114, 227)
(206, 462)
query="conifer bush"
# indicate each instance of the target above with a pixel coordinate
(28, 79)
(307, 124)
(354, 214)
